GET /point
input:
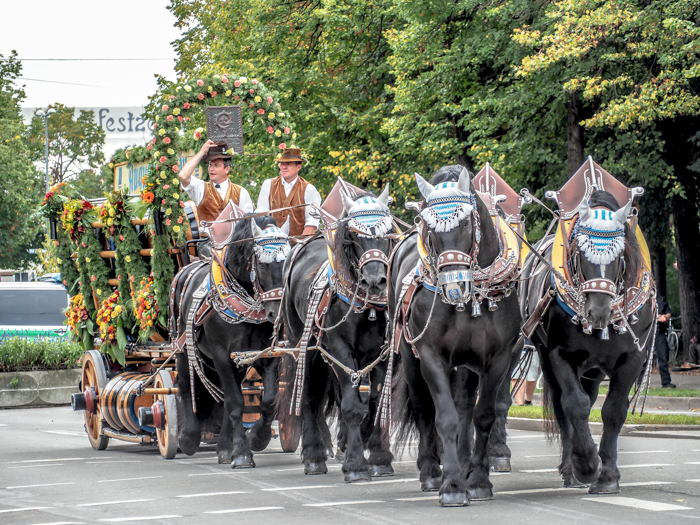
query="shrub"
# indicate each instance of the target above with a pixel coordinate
(18, 354)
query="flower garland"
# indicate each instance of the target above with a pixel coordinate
(109, 319)
(145, 308)
(75, 217)
(52, 205)
(78, 321)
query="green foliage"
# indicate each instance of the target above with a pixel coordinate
(89, 184)
(17, 354)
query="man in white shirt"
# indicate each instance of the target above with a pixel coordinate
(289, 189)
(211, 197)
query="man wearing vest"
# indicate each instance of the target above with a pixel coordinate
(289, 189)
(212, 197)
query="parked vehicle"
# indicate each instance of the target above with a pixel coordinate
(33, 310)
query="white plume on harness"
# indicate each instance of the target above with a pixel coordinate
(447, 206)
(600, 236)
(271, 245)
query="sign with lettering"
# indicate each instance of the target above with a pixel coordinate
(225, 124)
(128, 175)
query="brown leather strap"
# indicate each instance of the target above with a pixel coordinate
(536, 318)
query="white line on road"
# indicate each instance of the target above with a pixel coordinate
(203, 494)
(338, 503)
(63, 433)
(43, 465)
(691, 463)
(250, 509)
(418, 498)
(574, 490)
(643, 451)
(646, 483)
(44, 460)
(23, 509)
(41, 485)
(113, 461)
(538, 470)
(637, 503)
(384, 481)
(141, 518)
(128, 479)
(694, 480)
(62, 523)
(276, 489)
(112, 502)
(544, 456)
(643, 465)
(214, 473)
(300, 467)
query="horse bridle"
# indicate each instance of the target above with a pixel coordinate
(260, 295)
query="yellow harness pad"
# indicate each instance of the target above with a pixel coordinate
(216, 274)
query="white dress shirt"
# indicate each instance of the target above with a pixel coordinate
(311, 195)
(196, 192)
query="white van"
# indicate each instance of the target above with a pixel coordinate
(33, 310)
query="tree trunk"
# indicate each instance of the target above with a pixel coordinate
(687, 233)
(659, 269)
(574, 134)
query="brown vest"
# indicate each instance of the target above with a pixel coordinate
(212, 204)
(278, 199)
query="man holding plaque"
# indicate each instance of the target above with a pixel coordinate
(211, 197)
(289, 189)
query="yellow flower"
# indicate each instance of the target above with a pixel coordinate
(163, 176)
(157, 118)
(281, 115)
(171, 151)
(168, 211)
(98, 291)
(110, 222)
(209, 89)
(59, 261)
(161, 131)
(87, 259)
(270, 115)
(127, 258)
(176, 111)
(175, 181)
(176, 196)
(150, 323)
(228, 93)
(112, 212)
(176, 228)
(115, 314)
(188, 88)
(257, 99)
(278, 133)
(111, 165)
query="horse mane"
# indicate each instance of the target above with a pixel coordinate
(238, 255)
(448, 174)
(633, 252)
(344, 240)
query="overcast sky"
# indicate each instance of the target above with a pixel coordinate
(90, 29)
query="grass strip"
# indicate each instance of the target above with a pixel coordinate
(535, 412)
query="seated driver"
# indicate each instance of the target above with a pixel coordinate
(212, 197)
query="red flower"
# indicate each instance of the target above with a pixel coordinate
(121, 237)
(166, 108)
(155, 125)
(87, 205)
(167, 140)
(182, 204)
(163, 201)
(252, 91)
(286, 131)
(269, 100)
(93, 278)
(186, 105)
(237, 97)
(149, 147)
(187, 118)
(254, 81)
(261, 111)
(162, 159)
(200, 96)
(148, 197)
(237, 83)
(179, 117)
(213, 94)
(283, 146)
(270, 129)
(224, 80)
(169, 118)
(168, 222)
(171, 97)
(153, 141)
(175, 168)
(200, 82)
(251, 104)
(179, 219)
(166, 187)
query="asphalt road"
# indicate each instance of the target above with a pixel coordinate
(50, 474)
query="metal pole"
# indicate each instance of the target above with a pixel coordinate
(46, 142)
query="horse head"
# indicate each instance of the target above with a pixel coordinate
(256, 257)
(450, 233)
(362, 240)
(598, 260)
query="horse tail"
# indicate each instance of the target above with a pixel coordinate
(405, 426)
(285, 394)
(551, 422)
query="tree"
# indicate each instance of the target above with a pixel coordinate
(22, 185)
(75, 144)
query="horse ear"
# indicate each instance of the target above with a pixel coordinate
(584, 211)
(384, 197)
(464, 183)
(424, 187)
(347, 203)
(285, 227)
(621, 215)
(257, 232)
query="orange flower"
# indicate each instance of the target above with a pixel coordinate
(148, 197)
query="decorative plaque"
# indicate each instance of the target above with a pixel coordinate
(224, 123)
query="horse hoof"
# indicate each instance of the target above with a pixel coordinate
(454, 499)
(340, 456)
(573, 483)
(499, 464)
(353, 477)
(244, 461)
(480, 494)
(224, 456)
(255, 443)
(312, 468)
(378, 471)
(431, 484)
(593, 476)
(612, 487)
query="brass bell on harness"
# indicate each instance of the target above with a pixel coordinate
(476, 308)
(587, 329)
(493, 305)
(575, 319)
(372, 314)
(621, 328)
(634, 319)
(460, 307)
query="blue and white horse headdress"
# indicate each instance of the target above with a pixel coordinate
(272, 243)
(446, 204)
(600, 233)
(369, 215)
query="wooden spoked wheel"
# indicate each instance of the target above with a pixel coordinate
(94, 375)
(289, 437)
(167, 438)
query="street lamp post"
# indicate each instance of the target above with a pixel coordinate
(45, 114)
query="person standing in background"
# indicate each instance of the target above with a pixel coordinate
(663, 315)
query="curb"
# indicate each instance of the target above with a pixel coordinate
(655, 402)
(37, 388)
(657, 431)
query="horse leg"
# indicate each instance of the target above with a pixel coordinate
(342, 441)
(465, 387)
(576, 405)
(189, 425)
(614, 414)
(453, 491)
(499, 453)
(355, 466)
(375, 437)
(326, 435)
(313, 450)
(260, 434)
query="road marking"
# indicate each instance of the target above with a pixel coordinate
(538, 470)
(62, 523)
(203, 494)
(211, 474)
(643, 451)
(23, 509)
(645, 483)
(112, 502)
(339, 503)
(142, 518)
(545, 456)
(44, 460)
(41, 485)
(574, 491)
(3, 424)
(418, 498)
(128, 479)
(692, 463)
(250, 509)
(113, 461)
(300, 467)
(692, 480)
(303, 488)
(383, 481)
(637, 503)
(63, 433)
(43, 465)
(642, 465)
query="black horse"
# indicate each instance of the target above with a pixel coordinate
(352, 332)
(449, 346)
(252, 282)
(576, 356)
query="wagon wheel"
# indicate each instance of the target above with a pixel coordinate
(289, 437)
(167, 438)
(94, 376)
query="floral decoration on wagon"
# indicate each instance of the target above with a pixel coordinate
(78, 321)
(146, 309)
(76, 217)
(109, 319)
(52, 205)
